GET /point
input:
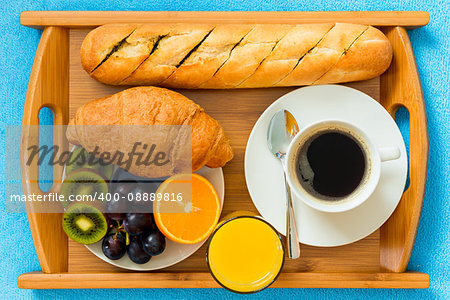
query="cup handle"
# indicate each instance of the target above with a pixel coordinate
(389, 153)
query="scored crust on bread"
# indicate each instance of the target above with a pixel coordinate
(234, 55)
(286, 55)
(130, 53)
(247, 56)
(202, 64)
(352, 63)
(101, 42)
(170, 52)
(324, 55)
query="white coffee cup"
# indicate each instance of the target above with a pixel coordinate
(373, 156)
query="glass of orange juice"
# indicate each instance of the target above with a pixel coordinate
(245, 253)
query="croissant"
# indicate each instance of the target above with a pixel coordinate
(142, 106)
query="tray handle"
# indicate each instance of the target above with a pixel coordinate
(400, 86)
(48, 87)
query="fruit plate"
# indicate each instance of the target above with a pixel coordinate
(174, 252)
(58, 81)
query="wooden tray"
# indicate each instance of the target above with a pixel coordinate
(57, 81)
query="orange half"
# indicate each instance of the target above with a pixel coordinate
(188, 210)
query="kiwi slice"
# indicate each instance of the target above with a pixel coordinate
(80, 158)
(84, 224)
(83, 182)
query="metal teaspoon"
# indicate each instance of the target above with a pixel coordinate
(282, 129)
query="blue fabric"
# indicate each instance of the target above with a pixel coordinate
(431, 45)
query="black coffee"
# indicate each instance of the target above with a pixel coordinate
(331, 164)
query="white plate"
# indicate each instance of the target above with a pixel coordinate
(174, 252)
(263, 172)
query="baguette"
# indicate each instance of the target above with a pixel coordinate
(151, 106)
(201, 56)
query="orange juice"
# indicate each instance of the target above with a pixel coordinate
(245, 254)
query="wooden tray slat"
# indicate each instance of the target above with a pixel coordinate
(48, 87)
(38, 280)
(400, 86)
(74, 19)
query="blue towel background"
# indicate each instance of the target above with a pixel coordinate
(431, 253)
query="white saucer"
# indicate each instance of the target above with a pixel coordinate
(174, 252)
(263, 172)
